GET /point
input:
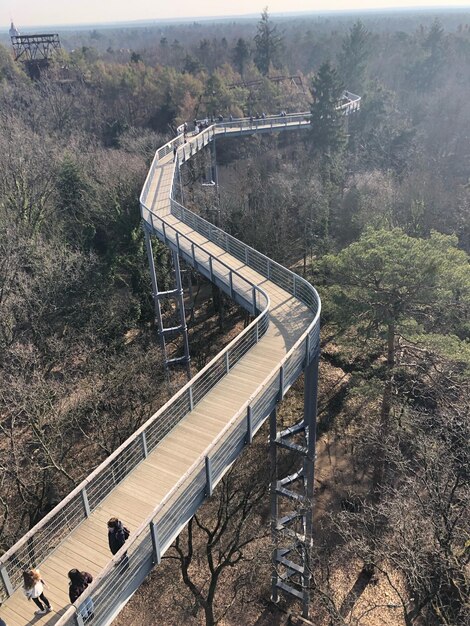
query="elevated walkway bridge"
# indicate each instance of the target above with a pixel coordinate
(158, 478)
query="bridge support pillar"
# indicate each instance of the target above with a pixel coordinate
(292, 497)
(177, 294)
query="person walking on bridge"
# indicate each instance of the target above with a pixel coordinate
(79, 581)
(33, 587)
(117, 537)
(117, 534)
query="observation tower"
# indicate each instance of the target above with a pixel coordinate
(35, 51)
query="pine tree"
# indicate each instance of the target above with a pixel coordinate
(268, 44)
(241, 55)
(353, 57)
(327, 133)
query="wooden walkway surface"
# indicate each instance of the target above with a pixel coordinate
(86, 548)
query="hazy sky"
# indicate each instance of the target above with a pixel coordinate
(36, 12)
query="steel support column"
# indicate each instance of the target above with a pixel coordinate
(292, 498)
(178, 295)
(180, 299)
(274, 500)
(156, 300)
(310, 420)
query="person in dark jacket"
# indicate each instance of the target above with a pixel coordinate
(117, 534)
(79, 581)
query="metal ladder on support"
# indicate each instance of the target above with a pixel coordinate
(177, 294)
(292, 499)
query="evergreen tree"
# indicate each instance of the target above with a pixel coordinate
(425, 71)
(327, 133)
(241, 55)
(268, 44)
(389, 285)
(353, 57)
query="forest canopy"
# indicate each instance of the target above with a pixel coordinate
(373, 209)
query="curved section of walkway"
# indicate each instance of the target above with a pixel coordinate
(159, 477)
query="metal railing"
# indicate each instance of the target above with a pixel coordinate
(146, 545)
(273, 122)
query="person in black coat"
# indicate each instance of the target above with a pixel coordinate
(79, 581)
(117, 534)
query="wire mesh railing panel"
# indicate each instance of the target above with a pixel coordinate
(182, 506)
(221, 270)
(314, 341)
(36, 547)
(212, 376)
(262, 406)
(294, 365)
(242, 347)
(243, 287)
(167, 419)
(236, 248)
(257, 261)
(224, 455)
(306, 294)
(282, 277)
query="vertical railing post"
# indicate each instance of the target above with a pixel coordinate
(208, 477)
(227, 362)
(79, 619)
(193, 254)
(307, 349)
(210, 269)
(157, 553)
(231, 283)
(86, 504)
(143, 441)
(281, 382)
(6, 581)
(191, 400)
(249, 425)
(254, 300)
